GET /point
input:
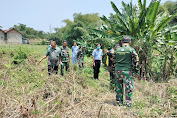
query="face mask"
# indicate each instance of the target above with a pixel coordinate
(98, 47)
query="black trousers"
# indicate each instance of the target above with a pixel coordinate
(97, 68)
(52, 69)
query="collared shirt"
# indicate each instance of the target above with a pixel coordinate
(65, 56)
(97, 54)
(53, 54)
(49, 46)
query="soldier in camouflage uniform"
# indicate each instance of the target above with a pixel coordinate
(80, 57)
(126, 64)
(111, 65)
(65, 57)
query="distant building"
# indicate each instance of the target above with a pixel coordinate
(2, 36)
(11, 35)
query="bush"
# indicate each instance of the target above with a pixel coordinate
(20, 56)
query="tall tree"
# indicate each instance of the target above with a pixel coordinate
(80, 27)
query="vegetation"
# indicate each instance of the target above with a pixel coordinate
(25, 85)
(169, 7)
(30, 32)
(149, 31)
(77, 29)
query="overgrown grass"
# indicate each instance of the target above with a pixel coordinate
(76, 94)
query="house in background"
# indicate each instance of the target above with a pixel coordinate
(11, 35)
(2, 36)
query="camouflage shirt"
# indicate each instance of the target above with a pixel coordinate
(53, 54)
(80, 55)
(65, 57)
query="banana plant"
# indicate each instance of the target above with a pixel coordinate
(142, 23)
(168, 42)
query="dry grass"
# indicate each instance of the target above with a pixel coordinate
(27, 91)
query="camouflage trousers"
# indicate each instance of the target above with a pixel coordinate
(66, 66)
(126, 78)
(81, 64)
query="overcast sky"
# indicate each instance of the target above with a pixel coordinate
(41, 14)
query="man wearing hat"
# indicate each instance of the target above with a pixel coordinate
(80, 56)
(126, 64)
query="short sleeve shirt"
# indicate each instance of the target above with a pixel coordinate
(53, 54)
(97, 54)
(80, 56)
(65, 56)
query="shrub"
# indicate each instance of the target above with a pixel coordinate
(20, 55)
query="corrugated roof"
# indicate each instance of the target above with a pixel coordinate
(6, 31)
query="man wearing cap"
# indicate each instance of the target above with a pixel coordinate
(80, 57)
(65, 57)
(126, 64)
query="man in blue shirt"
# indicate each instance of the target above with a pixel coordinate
(74, 49)
(97, 60)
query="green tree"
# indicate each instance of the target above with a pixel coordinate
(77, 29)
(170, 7)
(30, 32)
(56, 37)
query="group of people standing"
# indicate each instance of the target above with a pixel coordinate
(122, 63)
(60, 55)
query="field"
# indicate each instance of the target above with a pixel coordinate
(26, 90)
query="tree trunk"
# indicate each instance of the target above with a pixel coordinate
(170, 66)
(164, 68)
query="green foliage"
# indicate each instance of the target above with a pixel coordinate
(30, 32)
(170, 8)
(56, 37)
(20, 55)
(75, 30)
(144, 25)
(90, 20)
(25, 80)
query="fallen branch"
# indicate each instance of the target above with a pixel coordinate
(100, 111)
